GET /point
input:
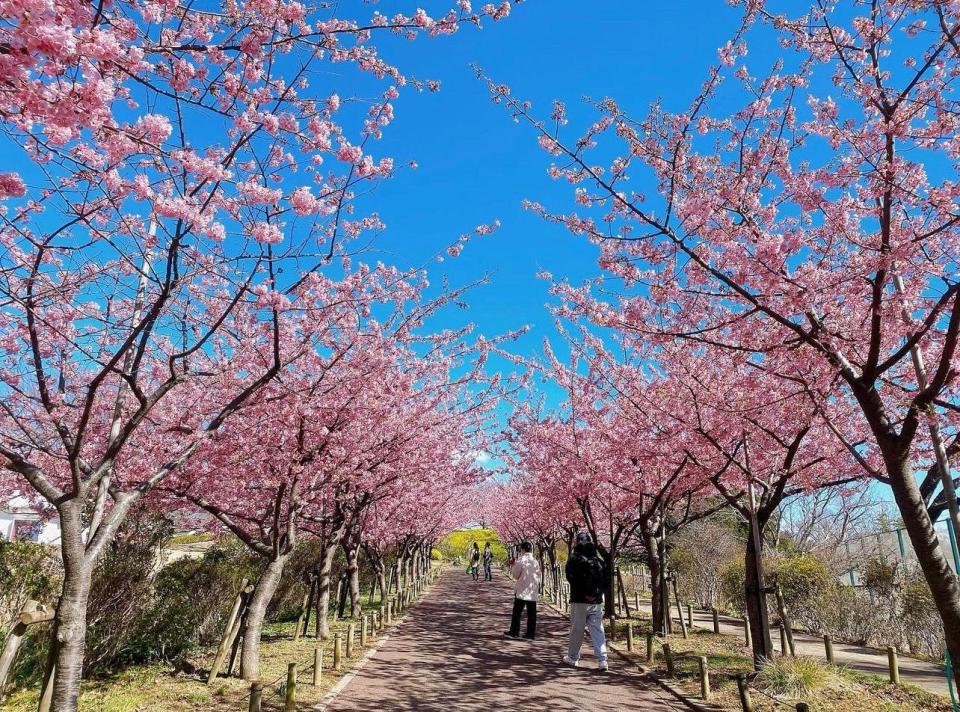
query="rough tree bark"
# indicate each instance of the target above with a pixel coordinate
(263, 592)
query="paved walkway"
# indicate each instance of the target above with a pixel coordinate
(928, 676)
(449, 654)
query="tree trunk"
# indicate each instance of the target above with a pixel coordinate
(353, 579)
(323, 590)
(940, 578)
(651, 546)
(609, 600)
(256, 612)
(70, 625)
(755, 600)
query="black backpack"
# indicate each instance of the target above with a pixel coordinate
(594, 579)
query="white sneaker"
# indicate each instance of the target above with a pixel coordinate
(602, 667)
(567, 660)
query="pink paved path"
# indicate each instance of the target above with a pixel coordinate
(449, 654)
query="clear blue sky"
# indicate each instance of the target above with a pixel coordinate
(476, 165)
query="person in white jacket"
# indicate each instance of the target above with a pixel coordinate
(526, 570)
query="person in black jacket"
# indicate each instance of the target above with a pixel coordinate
(589, 578)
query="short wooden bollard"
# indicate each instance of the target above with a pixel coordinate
(290, 702)
(256, 696)
(690, 615)
(363, 631)
(337, 652)
(746, 632)
(636, 600)
(650, 638)
(349, 640)
(744, 690)
(716, 620)
(828, 648)
(317, 666)
(894, 664)
(784, 648)
(668, 659)
(704, 679)
(389, 606)
(629, 637)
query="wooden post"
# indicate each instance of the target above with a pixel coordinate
(676, 597)
(894, 665)
(12, 646)
(828, 648)
(317, 665)
(650, 637)
(389, 611)
(46, 698)
(636, 600)
(290, 701)
(744, 691)
(337, 652)
(230, 631)
(716, 620)
(785, 619)
(363, 631)
(746, 632)
(784, 648)
(704, 679)
(349, 640)
(690, 615)
(629, 637)
(668, 659)
(256, 695)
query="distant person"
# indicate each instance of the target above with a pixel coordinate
(589, 578)
(526, 570)
(475, 561)
(487, 562)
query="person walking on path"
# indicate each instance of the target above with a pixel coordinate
(475, 562)
(487, 562)
(589, 578)
(526, 570)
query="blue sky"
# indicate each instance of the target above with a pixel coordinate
(476, 165)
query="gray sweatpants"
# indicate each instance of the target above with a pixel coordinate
(589, 616)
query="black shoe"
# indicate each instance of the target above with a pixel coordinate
(508, 634)
(529, 637)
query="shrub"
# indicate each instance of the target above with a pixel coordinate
(28, 571)
(922, 626)
(795, 677)
(191, 601)
(699, 554)
(122, 589)
(731, 585)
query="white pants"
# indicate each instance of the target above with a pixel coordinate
(589, 615)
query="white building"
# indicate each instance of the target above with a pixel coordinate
(19, 520)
